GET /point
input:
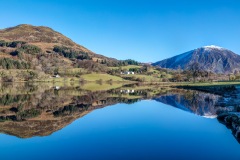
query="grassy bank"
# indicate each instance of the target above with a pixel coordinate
(207, 83)
(103, 77)
(125, 67)
(219, 88)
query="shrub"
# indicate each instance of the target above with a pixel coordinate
(28, 114)
(70, 53)
(7, 79)
(29, 49)
(13, 44)
(7, 63)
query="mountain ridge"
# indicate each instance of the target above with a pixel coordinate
(210, 58)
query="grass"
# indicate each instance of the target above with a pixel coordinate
(156, 75)
(126, 67)
(160, 73)
(5, 55)
(145, 77)
(104, 77)
(45, 34)
(72, 71)
(208, 83)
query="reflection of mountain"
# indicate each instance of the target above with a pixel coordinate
(225, 108)
(27, 111)
(196, 102)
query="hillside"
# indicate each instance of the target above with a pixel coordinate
(43, 37)
(39, 51)
(210, 58)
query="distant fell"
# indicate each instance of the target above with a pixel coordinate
(210, 58)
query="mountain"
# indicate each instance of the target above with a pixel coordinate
(43, 37)
(43, 52)
(210, 58)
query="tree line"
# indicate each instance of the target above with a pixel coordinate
(70, 53)
(7, 63)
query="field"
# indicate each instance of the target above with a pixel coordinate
(72, 71)
(104, 77)
(126, 67)
(143, 77)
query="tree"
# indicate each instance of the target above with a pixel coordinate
(56, 71)
(195, 70)
(177, 77)
(179, 69)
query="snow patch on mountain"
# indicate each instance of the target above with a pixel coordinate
(213, 47)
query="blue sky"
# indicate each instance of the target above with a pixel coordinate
(144, 30)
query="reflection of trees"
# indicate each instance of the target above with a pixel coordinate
(30, 110)
(70, 100)
(10, 99)
(34, 110)
(70, 109)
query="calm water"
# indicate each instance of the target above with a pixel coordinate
(147, 127)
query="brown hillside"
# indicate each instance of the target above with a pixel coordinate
(43, 37)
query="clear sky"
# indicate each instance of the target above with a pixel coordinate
(144, 30)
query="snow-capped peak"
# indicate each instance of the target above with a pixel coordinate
(213, 47)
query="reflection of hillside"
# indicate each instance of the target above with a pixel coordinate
(40, 111)
(44, 111)
(199, 103)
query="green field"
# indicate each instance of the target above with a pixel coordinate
(145, 78)
(126, 67)
(104, 77)
(93, 77)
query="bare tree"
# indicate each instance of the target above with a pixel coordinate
(179, 69)
(195, 70)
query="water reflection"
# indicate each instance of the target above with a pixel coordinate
(28, 110)
(202, 104)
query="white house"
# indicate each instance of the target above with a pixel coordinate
(56, 76)
(127, 72)
(57, 87)
(127, 91)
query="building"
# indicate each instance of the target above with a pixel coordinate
(127, 72)
(56, 76)
(127, 91)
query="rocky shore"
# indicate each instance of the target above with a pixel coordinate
(232, 121)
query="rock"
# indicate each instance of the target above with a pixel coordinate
(231, 120)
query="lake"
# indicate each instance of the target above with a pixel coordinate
(130, 122)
